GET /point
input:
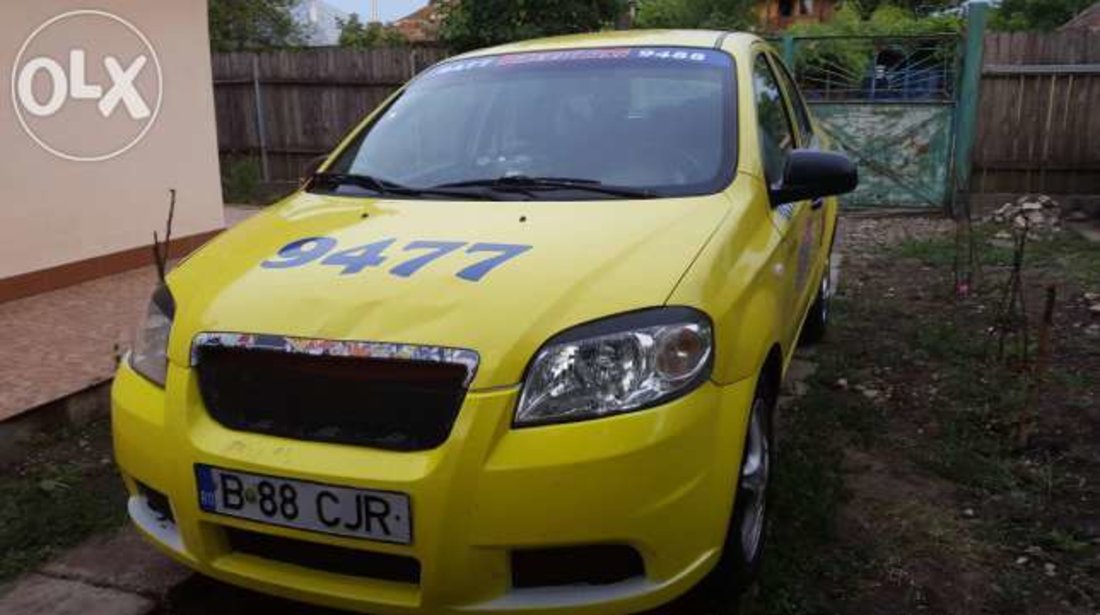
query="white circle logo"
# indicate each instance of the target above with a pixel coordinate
(86, 85)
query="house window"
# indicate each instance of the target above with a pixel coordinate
(786, 8)
(806, 7)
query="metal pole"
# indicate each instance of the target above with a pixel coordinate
(969, 90)
(261, 132)
(788, 52)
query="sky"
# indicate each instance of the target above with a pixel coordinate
(388, 10)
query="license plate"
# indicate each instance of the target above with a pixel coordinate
(305, 505)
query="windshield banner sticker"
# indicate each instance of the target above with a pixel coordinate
(421, 252)
(640, 54)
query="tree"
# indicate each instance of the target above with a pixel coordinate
(248, 25)
(867, 8)
(888, 19)
(481, 23)
(1036, 14)
(717, 14)
(354, 33)
(839, 51)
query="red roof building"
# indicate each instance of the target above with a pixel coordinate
(1088, 19)
(422, 25)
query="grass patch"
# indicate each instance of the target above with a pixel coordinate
(808, 489)
(66, 491)
(1067, 255)
(909, 384)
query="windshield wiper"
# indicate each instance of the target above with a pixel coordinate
(381, 186)
(385, 187)
(524, 183)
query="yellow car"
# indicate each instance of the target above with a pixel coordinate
(514, 348)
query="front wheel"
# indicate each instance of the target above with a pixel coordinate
(744, 546)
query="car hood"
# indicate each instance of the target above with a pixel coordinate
(585, 260)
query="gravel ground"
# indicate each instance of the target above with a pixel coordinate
(860, 236)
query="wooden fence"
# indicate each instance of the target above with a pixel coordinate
(1038, 126)
(282, 109)
(1039, 114)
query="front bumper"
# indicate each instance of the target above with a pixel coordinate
(660, 480)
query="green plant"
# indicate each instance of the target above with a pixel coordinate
(241, 181)
(66, 491)
(924, 7)
(469, 25)
(718, 14)
(354, 33)
(1015, 15)
(844, 52)
(251, 25)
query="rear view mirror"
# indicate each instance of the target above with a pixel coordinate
(812, 174)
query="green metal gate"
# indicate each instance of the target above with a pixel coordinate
(891, 104)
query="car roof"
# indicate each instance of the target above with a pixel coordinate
(702, 39)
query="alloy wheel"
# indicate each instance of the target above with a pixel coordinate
(754, 481)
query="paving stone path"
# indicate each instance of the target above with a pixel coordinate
(115, 574)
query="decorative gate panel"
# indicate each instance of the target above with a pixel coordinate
(889, 103)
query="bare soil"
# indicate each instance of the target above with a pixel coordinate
(940, 508)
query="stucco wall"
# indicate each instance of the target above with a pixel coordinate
(66, 206)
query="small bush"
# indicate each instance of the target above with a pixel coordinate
(241, 181)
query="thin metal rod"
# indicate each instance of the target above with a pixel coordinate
(261, 131)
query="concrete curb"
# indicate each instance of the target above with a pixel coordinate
(111, 574)
(37, 594)
(18, 432)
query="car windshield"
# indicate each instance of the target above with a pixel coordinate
(571, 124)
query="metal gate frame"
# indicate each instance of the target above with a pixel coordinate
(903, 107)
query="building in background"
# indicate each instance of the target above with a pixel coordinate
(422, 25)
(776, 15)
(1087, 20)
(320, 22)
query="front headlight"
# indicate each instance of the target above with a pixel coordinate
(149, 356)
(620, 364)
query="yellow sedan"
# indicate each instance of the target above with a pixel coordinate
(514, 347)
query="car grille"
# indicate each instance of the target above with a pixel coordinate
(327, 558)
(586, 565)
(393, 404)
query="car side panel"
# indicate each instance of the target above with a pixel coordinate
(739, 280)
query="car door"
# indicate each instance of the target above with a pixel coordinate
(812, 242)
(778, 137)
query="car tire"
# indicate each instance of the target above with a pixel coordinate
(817, 321)
(743, 549)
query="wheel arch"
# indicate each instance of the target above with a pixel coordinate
(771, 373)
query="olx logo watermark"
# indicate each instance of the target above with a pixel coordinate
(76, 88)
(87, 85)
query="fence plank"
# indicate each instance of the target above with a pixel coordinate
(311, 99)
(1037, 125)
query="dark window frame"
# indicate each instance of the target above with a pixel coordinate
(758, 55)
(806, 132)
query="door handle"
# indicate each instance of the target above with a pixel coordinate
(817, 203)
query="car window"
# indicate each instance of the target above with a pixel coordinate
(774, 126)
(425, 139)
(801, 112)
(659, 119)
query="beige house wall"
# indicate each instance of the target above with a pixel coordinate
(55, 210)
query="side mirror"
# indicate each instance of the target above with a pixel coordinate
(812, 174)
